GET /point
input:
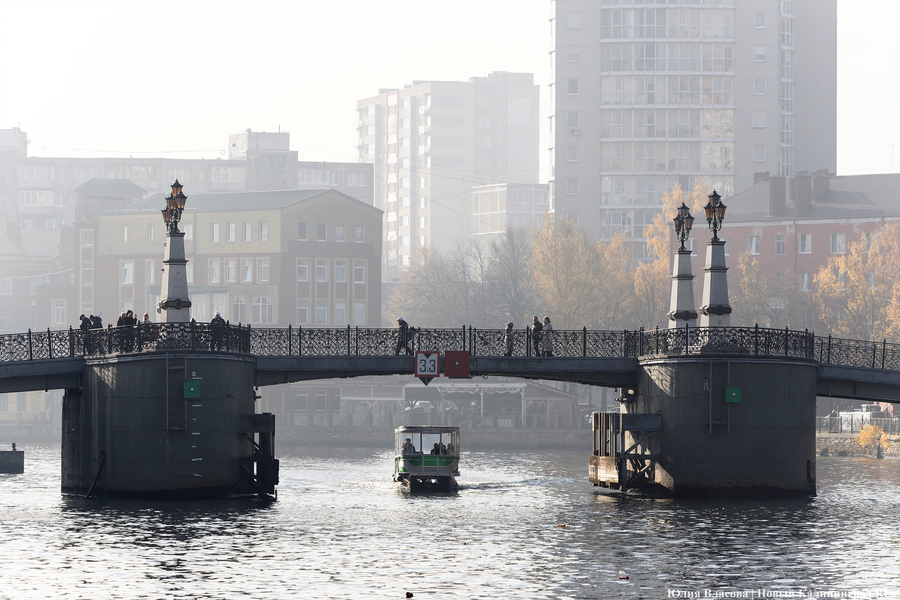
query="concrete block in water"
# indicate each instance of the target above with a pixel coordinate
(12, 461)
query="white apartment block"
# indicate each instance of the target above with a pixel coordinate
(650, 93)
(495, 208)
(433, 141)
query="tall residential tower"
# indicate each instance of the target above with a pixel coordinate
(432, 142)
(650, 93)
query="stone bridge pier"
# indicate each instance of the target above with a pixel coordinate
(737, 426)
(167, 425)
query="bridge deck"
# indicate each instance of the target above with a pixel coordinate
(55, 359)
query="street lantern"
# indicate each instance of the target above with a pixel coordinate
(715, 214)
(174, 207)
(683, 224)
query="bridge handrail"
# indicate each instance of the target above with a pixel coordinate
(363, 341)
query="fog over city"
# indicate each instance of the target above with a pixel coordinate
(438, 137)
(174, 79)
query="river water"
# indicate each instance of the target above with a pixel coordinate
(340, 529)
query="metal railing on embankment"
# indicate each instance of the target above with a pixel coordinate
(360, 341)
(854, 423)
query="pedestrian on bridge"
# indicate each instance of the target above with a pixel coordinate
(85, 335)
(547, 342)
(403, 337)
(508, 339)
(217, 329)
(537, 335)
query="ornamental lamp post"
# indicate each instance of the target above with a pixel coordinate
(715, 311)
(174, 207)
(715, 214)
(681, 305)
(684, 222)
(174, 305)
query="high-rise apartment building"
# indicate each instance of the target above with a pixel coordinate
(433, 141)
(650, 93)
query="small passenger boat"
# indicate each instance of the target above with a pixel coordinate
(427, 458)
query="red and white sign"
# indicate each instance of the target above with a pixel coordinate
(428, 363)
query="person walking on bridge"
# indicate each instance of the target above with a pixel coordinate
(403, 335)
(85, 335)
(547, 342)
(217, 329)
(537, 335)
(508, 339)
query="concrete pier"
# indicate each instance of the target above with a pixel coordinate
(166, 425)
(731, 425)
(12, 461)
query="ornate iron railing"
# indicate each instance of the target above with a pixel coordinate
(356, 341)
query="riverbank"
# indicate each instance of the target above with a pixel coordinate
(842, 444)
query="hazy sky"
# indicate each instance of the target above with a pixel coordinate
(176, 78)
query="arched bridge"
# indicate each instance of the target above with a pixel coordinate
(854, 369)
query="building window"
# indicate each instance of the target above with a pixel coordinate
(804, 282)
(262, 309)
(239, 312)
(359, 271)
(759, 20)
(322, 270)
(779, 244)
(572, 118)
(302, 270)
(230, 270)
(214, 271)
(572, 86)
(262, 269)
(218, 303)
(573, 53)
(127, 273)
(321, 312)
(572, 152)
(302, 400)
(124, 233)
(359, 233)
(759, 152)
(753, 245)
(759, 53)
(572, 186)
(759, 119)
(230, 232)
(59, 312)
(759, 86)
(189, 272)
(340, 232)
(263, 231)
(151, 271)
(188, 231)
(805, 243)
(150, 232)
(359, 313)
(340, 271)
(87, 238)
(214, 232)
(303, 231)
(573, 20)
(303, 312)
(838, 243)
(340, 313)
(321, 232)
(247, 228)
(321, 400)
(87, 274)
(247, 270)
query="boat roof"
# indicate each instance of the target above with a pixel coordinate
(425, 429)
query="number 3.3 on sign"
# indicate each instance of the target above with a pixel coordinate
(427, 364)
